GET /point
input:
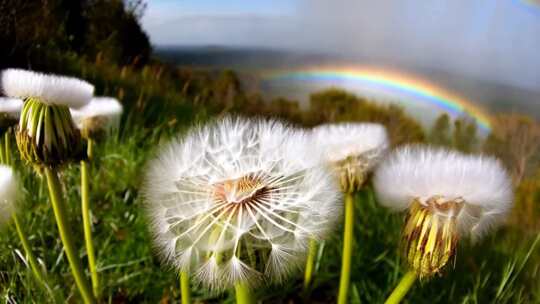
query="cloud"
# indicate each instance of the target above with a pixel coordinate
(495, 40)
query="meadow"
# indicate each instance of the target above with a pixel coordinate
(103, 43)
(501, 268)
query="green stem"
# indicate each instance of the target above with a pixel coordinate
(185, 291)
(7, 154)
(90, 148)
(244, 294)
(308, 274)
(403, 287)
(2, 154)
(59, 208)
(87, 226)
(348, 238)
(87, 223)
(28, 250)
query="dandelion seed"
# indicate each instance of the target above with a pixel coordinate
(235, 202)
(449, 195)
(353, 149)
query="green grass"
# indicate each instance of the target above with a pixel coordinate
(504, 267)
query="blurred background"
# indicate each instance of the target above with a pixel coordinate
(460, 74)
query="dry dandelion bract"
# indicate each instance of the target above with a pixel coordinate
(237, 201)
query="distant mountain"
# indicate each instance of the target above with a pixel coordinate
(236, 58)
(496, 97)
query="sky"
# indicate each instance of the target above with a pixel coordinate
(492, 39)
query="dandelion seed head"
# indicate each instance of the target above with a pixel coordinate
(448, 195)
(11, 106)
(8, 193)
(48, 88)
(10, 110)
(100, 114)
(480, 183)
(238, 193)
(353, 149)
(344, 140)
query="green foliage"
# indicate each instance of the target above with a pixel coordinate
(335, 105)
(440, 133)
(106, 29)
(464, 136)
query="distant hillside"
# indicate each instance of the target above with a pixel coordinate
(235, 58)
(250, 62)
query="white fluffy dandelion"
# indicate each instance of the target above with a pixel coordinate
(101, 113)
(8, 193)
(448, 193)
(46, 132)
(10, 110)
(11, 107)
(236, 202)
(352, 148)
(50, 89)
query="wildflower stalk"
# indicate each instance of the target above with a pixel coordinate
(87, 224)
(308, 274)
(7, 154)
(2, 156)
(59, 208)
(28, 250)
(403, 287)
(244, 294)
(185, 292)
(348, 238)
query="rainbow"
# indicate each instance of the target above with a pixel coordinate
(389, 80)
(533, 6)
(530, 3)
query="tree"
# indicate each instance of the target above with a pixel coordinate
(33, 30)
(114, 32)
(440, 132)
(464, 137)
(515, 139)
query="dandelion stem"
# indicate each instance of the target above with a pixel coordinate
(59, 208)
(403, 287)
(2, 155)
(184, 287)
(28, 250)
(310, 263)
(7, 155)
(87, 224)
(243, 294)
(348, 239)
